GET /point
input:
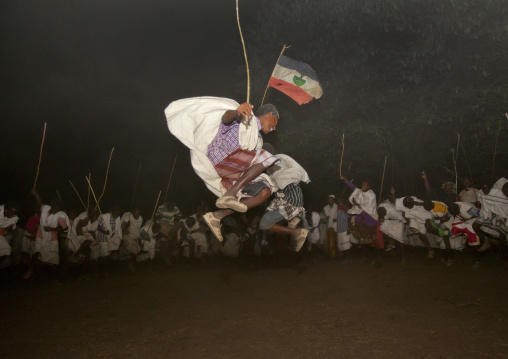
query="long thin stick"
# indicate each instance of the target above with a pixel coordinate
(107, 173)
(495, 149)
(95, 198)
(75, 190)
(268, 84)
(456, 159)
(58, 194)
(346, 187)
(40, 154)
(341, 155)
(135, 187)
(88, 198)
(170, 176)
(244, 52)
(467, 162)
(382, 182)
(156, 204)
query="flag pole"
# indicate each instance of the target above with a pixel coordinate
(268, 85)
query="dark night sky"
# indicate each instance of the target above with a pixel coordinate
(100, 73)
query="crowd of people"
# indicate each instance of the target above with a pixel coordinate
(260, 210)
(90, 244)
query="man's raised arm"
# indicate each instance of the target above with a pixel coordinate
(244, 110)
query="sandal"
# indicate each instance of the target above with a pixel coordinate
(231, 203)
(214, 225)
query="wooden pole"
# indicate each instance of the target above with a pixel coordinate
(58, 194)
(107, 173)
(170, 177)
(382, 182)
(88, 198)
(135, 187)
(268, 85)
(456, 159)
(75, 190)
(467, 162)
(156, 204)
(244, 52)
(341, 155)
(95, 198)
(495, 150)
(40, 155)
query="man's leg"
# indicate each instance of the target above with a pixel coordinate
(426, 243)
(446, 240)
(213, 219)
(268, 223)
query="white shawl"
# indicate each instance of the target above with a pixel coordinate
(51, 220)
(366, 201)
(287, 171)
(195, 122)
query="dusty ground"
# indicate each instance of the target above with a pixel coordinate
(309, 309)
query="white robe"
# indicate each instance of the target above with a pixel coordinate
(148, 244)
(76, 240)
(48, 248)
(5, 248)
(393, 223)
(195, 122)
(331, 213)
(134, 226)
(417, 215)
(114, 237)
(366, 201)
(494, 202)
(198, 236)
(313, 227)
(287, 171)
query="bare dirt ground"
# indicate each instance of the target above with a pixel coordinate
(305, 309)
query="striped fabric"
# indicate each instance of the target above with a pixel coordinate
(288, 202)
(232, 167)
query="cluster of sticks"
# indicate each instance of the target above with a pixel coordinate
(90, 188)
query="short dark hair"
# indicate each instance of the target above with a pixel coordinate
(267, 108)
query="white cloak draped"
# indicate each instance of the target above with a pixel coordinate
(195, 122)
(366, 200)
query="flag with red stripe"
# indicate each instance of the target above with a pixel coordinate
(296, 79)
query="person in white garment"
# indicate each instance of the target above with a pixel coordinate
(147, 240)
(330, 215)
(131, 229)
(311, 222)
(417, 215)
(8, 220)
(392, 222)
(109, 233)
(469, 194)
(53, 221)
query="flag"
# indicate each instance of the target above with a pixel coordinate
(296, 79)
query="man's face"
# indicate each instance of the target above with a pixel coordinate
(448, 187)
(365, 186)
(331, 201)
(467, 184)
(268, 122)
(136, 213)
(54, 209)
(409, 202)
(9, 213)
(115, 213)
(486, 189)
